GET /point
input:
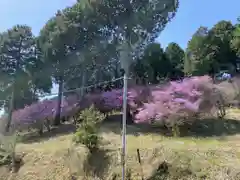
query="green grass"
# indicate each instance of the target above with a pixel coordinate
(215, 157)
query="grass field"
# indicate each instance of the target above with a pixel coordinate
(210, 151)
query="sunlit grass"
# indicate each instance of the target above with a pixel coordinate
(188, 157)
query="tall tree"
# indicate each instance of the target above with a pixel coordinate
(153, 65)
(175, 54)
(134, 24)
(209, 51)
(200, 54)
(67, 39)
(123, 27)
(221, 36)
(235, 43)
(103, 65)
(18, 51)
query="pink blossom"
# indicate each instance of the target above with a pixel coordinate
(172, 102)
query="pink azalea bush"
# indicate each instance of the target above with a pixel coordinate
(39, 111)
(171, 103)
(112, 99)
(178, 101)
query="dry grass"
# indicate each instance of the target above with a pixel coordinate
(187, 157)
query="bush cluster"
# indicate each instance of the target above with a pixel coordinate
(170, 103)
(87, 131)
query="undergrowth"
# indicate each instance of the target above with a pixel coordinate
(87, 131)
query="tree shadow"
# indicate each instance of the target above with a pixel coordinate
(211, 127)
(199, 128)
(166, 171)
(97, 163)
(63, 129)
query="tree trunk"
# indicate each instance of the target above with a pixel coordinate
(10, 109)
(57, 120)
(117, 84)
(155, 75)
(82, 90)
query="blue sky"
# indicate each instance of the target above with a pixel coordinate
(191, 15)
(194, 13)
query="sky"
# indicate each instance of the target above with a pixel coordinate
(190, 16)
(195, 13)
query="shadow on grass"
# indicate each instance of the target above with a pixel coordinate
(63, 129)
(166, 171)
(97, 163)
(200, 128)
(55, 131)
(211, 127)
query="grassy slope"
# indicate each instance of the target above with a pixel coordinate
(189, 158)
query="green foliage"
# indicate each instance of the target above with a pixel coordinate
(235, 43)
(67, 44)
(198, 54)
(90, 116)
(175, 54)
(153, 65)
(209, 51)
(131, 25)
(87, 132)
(89, 138)
(157, 64)
(221, 36)
(20, 62)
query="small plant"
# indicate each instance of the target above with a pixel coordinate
(90, 116)
(87, 123)
(175, 130)
(89, 139)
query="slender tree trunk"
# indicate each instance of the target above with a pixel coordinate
(57, 120)
(155, 75)
(34, 93)
(10, 109)
(82, 90)
(116, 75)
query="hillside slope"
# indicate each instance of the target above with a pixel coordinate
(189, 157)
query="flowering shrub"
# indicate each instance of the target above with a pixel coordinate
(35, 115)
(171, 103)
(34, 112)
(178, 101)
(112, 99)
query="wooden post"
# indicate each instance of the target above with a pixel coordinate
(140, 162)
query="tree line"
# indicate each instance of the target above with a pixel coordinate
(209, 51)
(85, 44)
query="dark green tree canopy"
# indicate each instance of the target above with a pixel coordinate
(175, 54)
(235, 43)
(19, 61)
(210, 51)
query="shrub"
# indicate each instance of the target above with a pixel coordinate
(171, 103)
(87, 132)
(42, 110)
(178, 102)
(89, 139)
(90, 116)
(111, 100)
